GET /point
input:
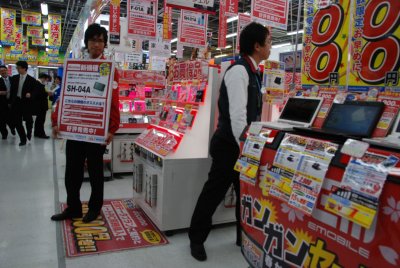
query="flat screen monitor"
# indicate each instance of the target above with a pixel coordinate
(302, 110)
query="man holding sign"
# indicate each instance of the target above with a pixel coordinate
(87, 115)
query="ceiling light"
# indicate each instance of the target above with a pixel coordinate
(294, 32)
(232, 19)
(231, 35)
(218, 49)
(281, 45)
(229, 46)
(46, 36)
(220, 56)
(174, 40)
(45, 10)
(172, 54)
(46, 25)
(175, 51)
(47, 49)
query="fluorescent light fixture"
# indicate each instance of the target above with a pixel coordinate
(47, 44)
(45, 10)
(231, 35)
(172, 54)
(232, 19)
(174, 40)
(145, 51)
(46, 25)
(281, 45)
(294, 32)
(229, 46)
(220, 56)
(175, 51)
(218, 49)
(46, 36)
(47, 49)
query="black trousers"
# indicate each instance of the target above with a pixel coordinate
(3, 122)
(21, 112)
(39, 123)
(221, 176)
(76, 154)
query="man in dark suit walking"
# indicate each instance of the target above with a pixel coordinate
(22, 86)
(40, 106)
(5, 87)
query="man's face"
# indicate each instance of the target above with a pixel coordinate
(3, 72)
(21, 70)
(96, 46)
(265, 50)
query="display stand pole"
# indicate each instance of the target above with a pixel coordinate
(293, 85)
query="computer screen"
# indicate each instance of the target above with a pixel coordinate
(300, 109)
(353, 118)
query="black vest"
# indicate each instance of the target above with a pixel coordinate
(254, 102)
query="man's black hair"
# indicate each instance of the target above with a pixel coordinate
(95, 30)
(43, 75)
(58, 77)
(22, 64)
(251, 34)
(3, 66)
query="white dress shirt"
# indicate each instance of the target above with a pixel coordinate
(237, 81)
(8, 85)
(21, 84)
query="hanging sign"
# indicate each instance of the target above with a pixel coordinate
(375, 46)
(17, 48)
(31, 18)
(7, 36)
(203, 6)
(134, 57)
(192, 30)
(222, 27)
(167, 22)
(231, 8)
(243, 21)
(115, 27)
(142, 18)
(54, 31)
(325, 47)
(33, 31)
(160, 47)
(271, 13)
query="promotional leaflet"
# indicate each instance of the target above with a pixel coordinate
(357, 198)
(159, 47)
(134, 57)
(31, 18)
(328, 95)
(209, 6)
(142, 18)
(274, 81)
(243, 20)
(299, 170)
(392, 106)
(375, 46)
(33, 31)
(325, 39)
(7, 35)
(54, 31)
(192, 29)
(271, 13)
(115, 27)
(85, 100)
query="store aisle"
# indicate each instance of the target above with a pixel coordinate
(27, 236)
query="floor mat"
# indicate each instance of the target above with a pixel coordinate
(122, 225)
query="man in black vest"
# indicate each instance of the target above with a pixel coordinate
(240, 103)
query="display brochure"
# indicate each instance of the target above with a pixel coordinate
(328, 95)
(392, 107)
(142, 18)
(271, 13)
(86, 100)
(357, 198)
(299, 170)
(274, 81)
(192, 29)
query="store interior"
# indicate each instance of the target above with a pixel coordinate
(319, 173)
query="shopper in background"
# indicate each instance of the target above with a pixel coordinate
(5, 89)
(40, 106)
(240, 103)
(22, 86)
(55, 93)
(78, 151)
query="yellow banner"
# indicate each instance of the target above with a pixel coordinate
(17, 48)
(30, 56)
(53, 52)
(33, 31)
(54, 31)
(7, 35)
(38, 42)
(31, 18)
(326, 27)
(375, 46)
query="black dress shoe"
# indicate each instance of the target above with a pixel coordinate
(66, 214)
(29, 137)
(198, 252)
(42, 136)
(4, 137)
(22, 143)
(90, 216)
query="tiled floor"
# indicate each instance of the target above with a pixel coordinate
(28, 197)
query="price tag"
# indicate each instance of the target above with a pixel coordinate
(255, 128)
(355, 148)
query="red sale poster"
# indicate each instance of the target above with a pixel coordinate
(231, 7)
(167, 22)
(203, 6)
(329, 96)
(392, 106)
(193, 29)
(273, 13)
(243, 20)
(114, 21)
(222, 28)
(86, 100)
(142, 18)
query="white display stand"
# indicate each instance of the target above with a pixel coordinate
(167, 188)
